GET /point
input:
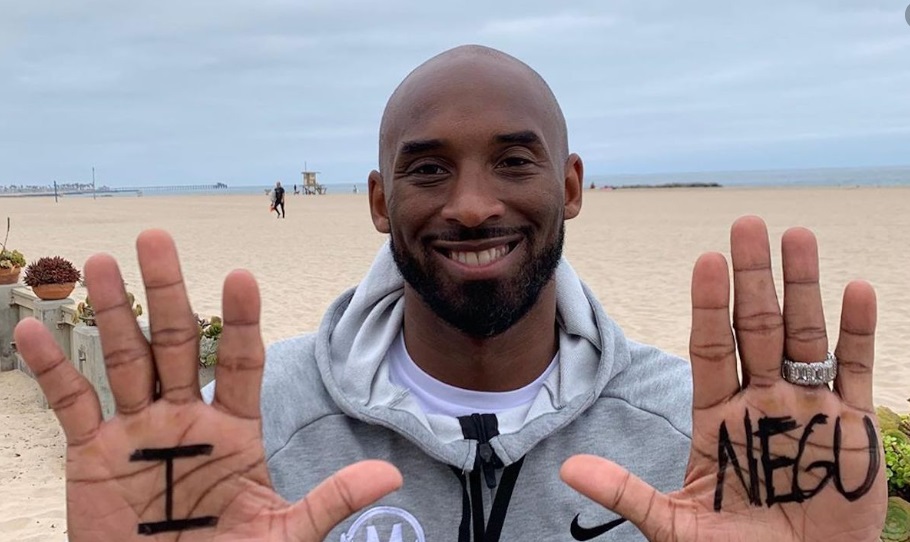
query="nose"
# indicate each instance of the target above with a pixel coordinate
(473, 199)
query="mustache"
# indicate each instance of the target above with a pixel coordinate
(474, 234)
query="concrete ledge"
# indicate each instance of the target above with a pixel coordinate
(9, 317)
(18, 302)
(81, 343)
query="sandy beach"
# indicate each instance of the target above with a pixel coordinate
(634, 248)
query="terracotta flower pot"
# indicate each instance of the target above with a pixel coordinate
(9, 276)
(49, 292)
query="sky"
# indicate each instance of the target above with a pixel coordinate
(248, 92)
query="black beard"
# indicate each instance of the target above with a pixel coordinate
(482, 308)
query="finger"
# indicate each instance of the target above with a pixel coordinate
(340, 495)
(712, 348)
(127, 356)
(617, 489)
(70, 395)
(756, 312)
(856, 346)
(241, 354)
(804, 317)
(174, 331)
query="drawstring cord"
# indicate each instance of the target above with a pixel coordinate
(472, 504)
(483, 427)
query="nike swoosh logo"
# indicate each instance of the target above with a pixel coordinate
(590, 533)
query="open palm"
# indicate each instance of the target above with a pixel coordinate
(168, 466)
(770, 460)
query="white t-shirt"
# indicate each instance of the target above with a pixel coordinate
(437, 397)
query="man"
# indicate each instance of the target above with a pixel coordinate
(475, 361)
(278, 199)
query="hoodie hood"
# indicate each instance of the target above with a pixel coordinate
(360, 326)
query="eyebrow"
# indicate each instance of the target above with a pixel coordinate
(419, 146)
(524, 137)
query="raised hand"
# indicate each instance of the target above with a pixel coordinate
(167, 464)
(770, 460)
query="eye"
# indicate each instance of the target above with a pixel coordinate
(514, 162)
(427, 170)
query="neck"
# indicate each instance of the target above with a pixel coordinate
(509, 361)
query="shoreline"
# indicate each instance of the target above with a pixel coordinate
(254, 191)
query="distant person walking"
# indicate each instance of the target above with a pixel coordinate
(278, 200)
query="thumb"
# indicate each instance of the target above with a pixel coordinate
(339, 496)
(617, 489)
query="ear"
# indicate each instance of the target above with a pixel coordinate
(574, 184)
(378, 209)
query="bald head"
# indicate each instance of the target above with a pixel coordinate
(472, 72)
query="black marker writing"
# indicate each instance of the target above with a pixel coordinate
(725, 454)
(168, 455)
(767, 428)
(770, 427)
(874, 460)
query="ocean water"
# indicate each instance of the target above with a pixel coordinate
(874, 176)
(878, 176)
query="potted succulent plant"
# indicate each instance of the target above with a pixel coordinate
(209, 335)
(52, 277)
(85, 313)
(11, 261)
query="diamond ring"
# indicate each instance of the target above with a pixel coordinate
(815, 373)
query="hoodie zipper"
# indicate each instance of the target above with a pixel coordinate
(482, 428)
(489, 461)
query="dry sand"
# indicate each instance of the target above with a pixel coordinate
(635, 248)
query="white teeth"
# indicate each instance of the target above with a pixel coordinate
(477, 259)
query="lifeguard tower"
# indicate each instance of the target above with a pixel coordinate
(310, 186)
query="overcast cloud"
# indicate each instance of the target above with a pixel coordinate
(246, 92)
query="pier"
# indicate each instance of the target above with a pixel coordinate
(159, 189)
(36, 191)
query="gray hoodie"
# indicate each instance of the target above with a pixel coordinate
(327, 402)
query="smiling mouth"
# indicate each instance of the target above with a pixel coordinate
(480, 258)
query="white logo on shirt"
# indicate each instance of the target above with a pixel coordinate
(403, 523)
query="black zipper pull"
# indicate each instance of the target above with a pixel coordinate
(482, 428)
(487, 427)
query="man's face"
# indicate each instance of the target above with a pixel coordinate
(476, 200)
